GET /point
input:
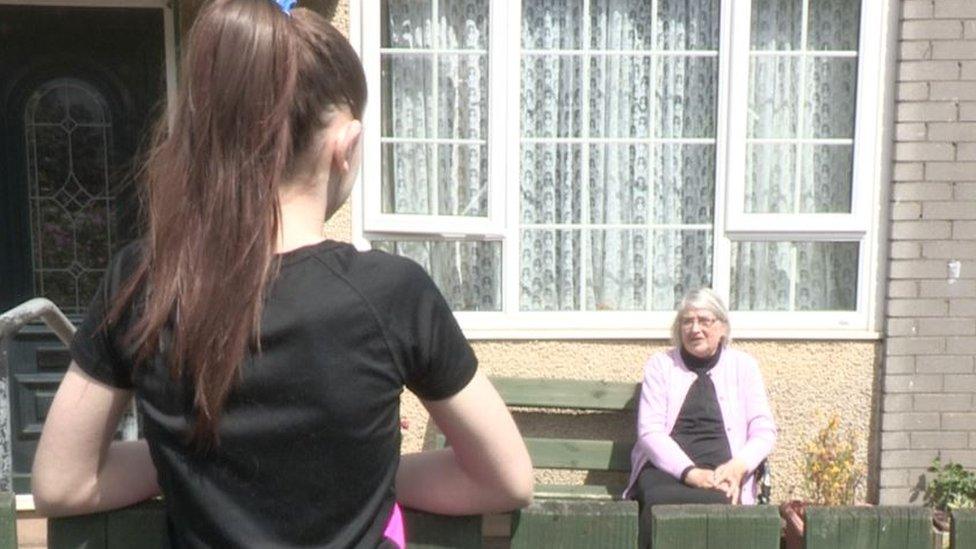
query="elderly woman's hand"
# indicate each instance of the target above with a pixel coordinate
(700, 478)
(728, 477)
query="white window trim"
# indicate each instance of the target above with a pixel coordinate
(871, 155)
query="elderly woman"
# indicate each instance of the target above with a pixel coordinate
(704, 423)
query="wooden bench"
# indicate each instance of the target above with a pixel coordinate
(864, 527)
(963, 528)
(8, 521)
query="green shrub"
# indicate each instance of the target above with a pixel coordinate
(953, 487)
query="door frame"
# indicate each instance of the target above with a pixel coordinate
(25, 502)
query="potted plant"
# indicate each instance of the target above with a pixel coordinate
(831, 476)
(952, 487)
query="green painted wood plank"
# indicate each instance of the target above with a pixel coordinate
(963, 528)
(81, 532)
(142, 525)
(674, 526)
(567, 393)
(8, 521)
(429, 531)
(575, 524)
(576, 491)
(868, 527)
(571, 453)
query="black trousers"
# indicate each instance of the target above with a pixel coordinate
(655, 486)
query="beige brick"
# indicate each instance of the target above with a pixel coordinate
(893, 477)
(924, 151)
(908, 458)
(962, 209)
(927, 111)
(960, 383)
(952, 49)
(949, 249)
(901, 327)
(916, 346)
(967, 111)
(895, 440)
(903, 289)
(972, 440)
(920, 230)
(963, 230)
(966, 458)
(959, 421)
(921, 191)
(906, 210)
(944, 364)
(911, 131)
(905, 250)
(915, 50)
(909, 171)
(937, 439)
(946, 326)
(968, 68)
(918, 307)
(964, 191)
(955, 91)
(917, 268)
(911, 421)
(966, 151)
(912, 71)
(917, 9)
(962, 307)
(969, 29)
(897, 496)
(938, 30)
(950, 171)
(902, 364)
(912, 91)
(955, 9)
(960, 345)
(942, 288)
(955, 131)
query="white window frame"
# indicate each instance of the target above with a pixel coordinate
(872, 114)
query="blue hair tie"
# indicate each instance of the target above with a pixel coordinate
(286, 5)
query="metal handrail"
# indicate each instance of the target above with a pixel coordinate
(39, 307)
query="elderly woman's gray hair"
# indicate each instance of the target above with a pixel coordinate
(704, 299)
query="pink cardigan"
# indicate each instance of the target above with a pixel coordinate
(742, 399)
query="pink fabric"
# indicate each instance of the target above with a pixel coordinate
(742, 399)
(394, 528)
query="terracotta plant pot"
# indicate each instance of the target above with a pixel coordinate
(794, 515)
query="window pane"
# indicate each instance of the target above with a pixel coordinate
(408, 178)
(469, 274)
(773, 97)
(770, 176)
(550, 181)
(617, 270)
(552, 24)
(825, 179)
(829, 106)
(463, 180)
(686, 90)
(620, 96)
(777, 24)
(463, 96)
(463, 24)
(406, 24)
(683, 25)
(618, 184)
(408, 94)
(620, 25)
(684, 180)
(551, 96)
(550, 270)
(833, 24)
(681, 260)
(791, 276)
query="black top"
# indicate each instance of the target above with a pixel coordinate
(699, 429)
(309, 438)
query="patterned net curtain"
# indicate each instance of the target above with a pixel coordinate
(434, 138)
(617, 152)
(68, 133)
(803, 69)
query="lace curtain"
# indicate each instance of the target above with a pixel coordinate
(799, 152)
(617, 154)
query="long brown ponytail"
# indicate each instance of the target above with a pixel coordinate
(257, 85)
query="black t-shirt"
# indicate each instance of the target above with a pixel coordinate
(309, 438)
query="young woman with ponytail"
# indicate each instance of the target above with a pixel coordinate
(268, 363)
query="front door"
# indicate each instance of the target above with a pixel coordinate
(78, 90)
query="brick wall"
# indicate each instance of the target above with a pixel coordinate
(929, 399)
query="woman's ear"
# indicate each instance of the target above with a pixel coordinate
(347, 146)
